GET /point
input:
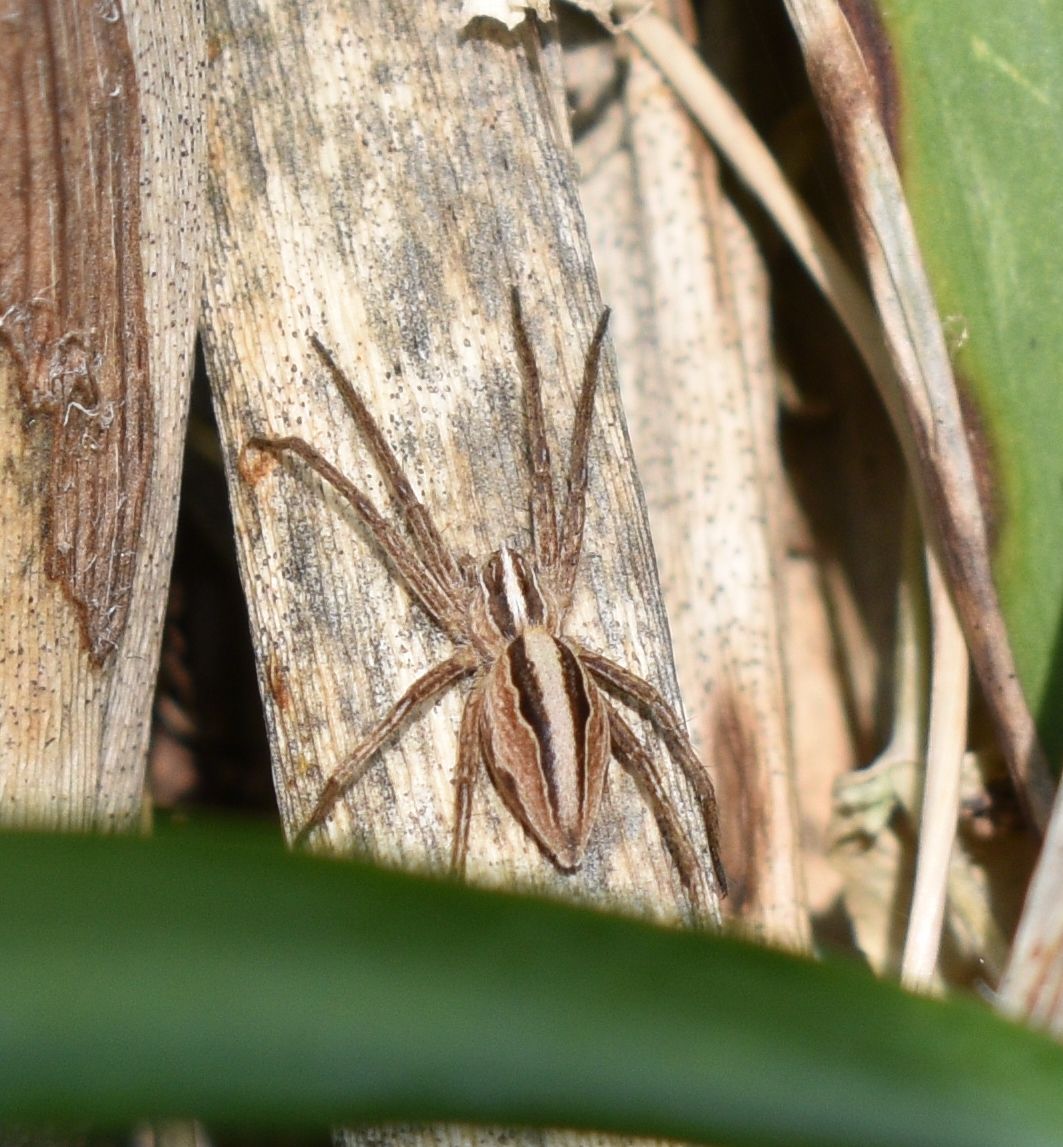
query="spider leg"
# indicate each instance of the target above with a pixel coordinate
(438, 559)
(638, 764)
(429, 687)
(464, 781)
(543, 514)
(410, 567)
(575, 502)
(640, 694)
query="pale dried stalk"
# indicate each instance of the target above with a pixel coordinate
(692, 337)
(1032, 985)
(78, 684)
(911, 663)
(946, 742)
(431, 173)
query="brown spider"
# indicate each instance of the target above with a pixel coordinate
(536, 714)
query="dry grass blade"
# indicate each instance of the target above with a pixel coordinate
(924, 407)
(432, 176)
(915, 402)
(692, 331)
(947, 739)
(100, 257)
(1032, 986)
(732, 134)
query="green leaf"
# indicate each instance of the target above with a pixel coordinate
(213, 974)
(979, 95)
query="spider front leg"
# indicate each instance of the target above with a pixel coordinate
(413, 571)
(556, 554)
(543, 514)
(640, 694)
(571, 541)
(437, 557)
(428, 687)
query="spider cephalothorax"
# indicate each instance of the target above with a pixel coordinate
(510, 599)
(537, 714)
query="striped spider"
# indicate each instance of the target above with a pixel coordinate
(538, 714)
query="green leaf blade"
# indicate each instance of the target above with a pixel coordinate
(216, 976)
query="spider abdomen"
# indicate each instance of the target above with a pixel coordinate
(545, 738)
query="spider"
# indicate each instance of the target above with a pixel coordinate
(539, 714)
